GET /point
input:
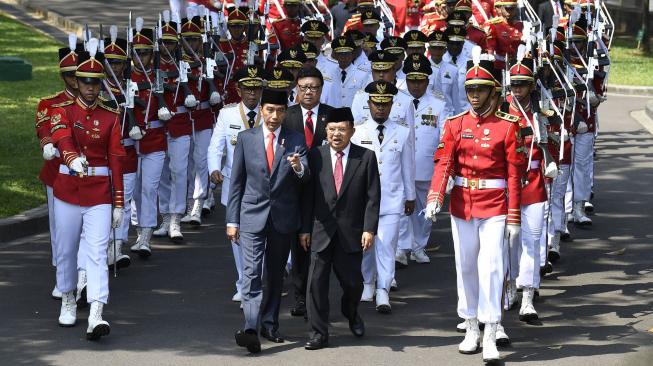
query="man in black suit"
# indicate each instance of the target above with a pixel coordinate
(340, 215)
(307, 118)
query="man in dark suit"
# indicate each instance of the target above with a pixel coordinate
(263, 213)
(307, 118)
(340, 214)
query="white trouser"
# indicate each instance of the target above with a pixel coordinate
(172, 189)
(198, 168)
(179, 7)
(129, 181)
(479, 266)
(558, 200)
(583, 161)
(525, 259)
(53, 233)
(147, 187)
(95, 223)
(380, 260)
(414, 230)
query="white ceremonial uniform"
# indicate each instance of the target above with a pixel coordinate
(341, 94)
(361, 111)
(429, 118)
(558, 217)
(129, 183)
(443, 81)
(147, 187)
(461, 60)
(223, 142)
(173, 186)
(460, 102)
(198, 172)
(362, 62)
(395, 158)
(583, 165)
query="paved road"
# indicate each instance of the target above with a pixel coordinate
(175, 308)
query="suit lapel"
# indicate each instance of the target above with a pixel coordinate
(328, 181)
(353, 161)
(281, 150)
(320, 125)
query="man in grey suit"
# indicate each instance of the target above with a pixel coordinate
(340, 216)
(263, 213)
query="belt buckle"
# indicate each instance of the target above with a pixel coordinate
(472, 183)
(92, 172)
(482, 184)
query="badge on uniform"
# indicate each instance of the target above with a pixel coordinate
(485, 145)
(235, 127)
(441, 145)
(96, 123)
(78, 125)
(468, 136)
(234, 139)
(366, 142)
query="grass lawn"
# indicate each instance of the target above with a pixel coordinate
(630, 67)
(20, 156)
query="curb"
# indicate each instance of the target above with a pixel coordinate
(50, 16)
(30, 222)
(631, 90)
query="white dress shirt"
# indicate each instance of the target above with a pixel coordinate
(313, 116)
(334, 157)
(276, 133)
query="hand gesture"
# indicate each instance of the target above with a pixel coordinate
(295, 162)
(305, 241)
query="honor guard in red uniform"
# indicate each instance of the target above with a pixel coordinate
(50, 169)
(287, 29)
(150, 137)
(116, 56)
(480, 150)
(504, 32)
(235, 48)
(201, 117)
(173, 187)
(434, 18)
(87, 134)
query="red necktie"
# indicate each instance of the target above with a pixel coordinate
(269, 151)
(308, 129)
(337, 172)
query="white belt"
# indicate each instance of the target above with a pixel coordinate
(535, 164)
(92, 171)
(154, 124)
(128, 142)
(480, 183)
(204, 105)
(181, 109)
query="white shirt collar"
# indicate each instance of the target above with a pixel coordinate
(314, 110)
(247, 110)
(345, 150)
(266, 132)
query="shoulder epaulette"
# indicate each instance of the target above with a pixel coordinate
(508, 117)
(459, 115)
(230, 105)
(103, 99)
(495, 20)
(106, 107)
(363, 69)
(63, 104)
(437, 94)
(51, 96)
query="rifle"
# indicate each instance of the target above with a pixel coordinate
(386, 14)
(130, 87)
(209, 62)
(252, 32)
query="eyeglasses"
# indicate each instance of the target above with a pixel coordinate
(312, 88)
(250, 90)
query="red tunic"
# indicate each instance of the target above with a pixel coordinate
(129, 162)
(503, 38)
(155, 136)
(480, 147)
(94, 132)
(50, 168)
(433, 21)
(288, 32)
(236, 51)
(179, 124)
(202, 115)
(534, 191)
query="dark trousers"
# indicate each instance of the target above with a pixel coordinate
(301, 260)
(347, 267)
(274, 247)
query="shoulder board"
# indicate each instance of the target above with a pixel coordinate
(230, 105)
(52, 96)
(495, 20)
(363, 69)
(63, 104)
(330, 59)
(508, 117)
(459, 115)
(106, 107)
(360, 91)
(103, 99)
(436, 94)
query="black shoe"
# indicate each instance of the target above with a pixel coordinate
(248, 339)
(272, 335)
(82, 301)
(299, 309)
(317, 341)
(548, 267)
(357, 326)
(566, 237)
(553, 256)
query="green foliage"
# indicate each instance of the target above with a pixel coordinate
(20, 156)
(630, 65)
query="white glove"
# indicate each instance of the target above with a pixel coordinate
(77, 165)
(164, 114)
(450, 184)
(594, 99)
(215, 98)
(432, 209)
(565, 135)
(551, 170)
(190, 101)
(116, 218)
(136, 133)
(582, 127)
(512, 231)
(49, 151)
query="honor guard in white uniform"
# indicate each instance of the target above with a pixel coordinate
(444, 78)
(383, 63)
(429, 115)
(347, 79)
(360, 58)
(455, 40)
(233, 119)
(395, 153)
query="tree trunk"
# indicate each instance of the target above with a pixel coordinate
(646, 47)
